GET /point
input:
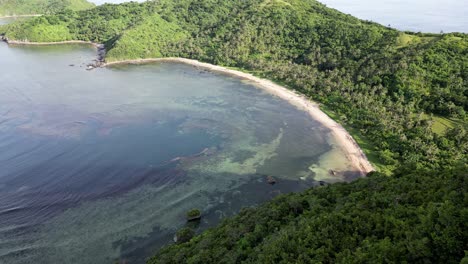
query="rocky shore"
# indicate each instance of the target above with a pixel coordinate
(98, 62)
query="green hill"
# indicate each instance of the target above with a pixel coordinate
(390, 89)
(412, 217)
(28, 7)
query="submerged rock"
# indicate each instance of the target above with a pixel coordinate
(271, 180)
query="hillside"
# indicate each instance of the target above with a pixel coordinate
(28, 7)
(390, 89)
(412, 217)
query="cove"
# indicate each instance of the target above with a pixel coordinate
(101, 166)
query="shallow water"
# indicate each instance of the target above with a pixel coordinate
(102, 165)
(416, 15)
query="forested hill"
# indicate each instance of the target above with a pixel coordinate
(402, 95)
(411, 217)
(30, 7)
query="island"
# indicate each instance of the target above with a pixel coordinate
(402, 96)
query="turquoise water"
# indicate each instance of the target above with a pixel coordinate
(101, 166)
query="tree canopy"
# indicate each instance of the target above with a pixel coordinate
(32, 7)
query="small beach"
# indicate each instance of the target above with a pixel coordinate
(341, 139)
(151, 140)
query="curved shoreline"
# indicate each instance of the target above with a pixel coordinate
(344, 141)
(341, 139)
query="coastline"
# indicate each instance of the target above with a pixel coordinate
(16, 42)
(15, 16)
(340, 140)
(101, 50)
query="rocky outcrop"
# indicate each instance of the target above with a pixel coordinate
(193, 215)
(271, 180)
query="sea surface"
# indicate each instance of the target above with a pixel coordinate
(416, 15)
(101, 166)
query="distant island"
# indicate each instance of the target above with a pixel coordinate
(402, 95)
(36, 7)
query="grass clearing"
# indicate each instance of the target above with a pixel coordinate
(441, 124)
(405, 40)
(273, 2)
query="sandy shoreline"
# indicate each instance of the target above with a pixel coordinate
(341, 140)
(344, 141)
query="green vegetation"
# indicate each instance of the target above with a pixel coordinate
(193, 214)
(184, 235)
(30, 7)
(441, 124)
(412, 217)
(138, 42)
(366, 145)
(396, 93)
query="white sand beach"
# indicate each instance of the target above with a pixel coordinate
(340, 139)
